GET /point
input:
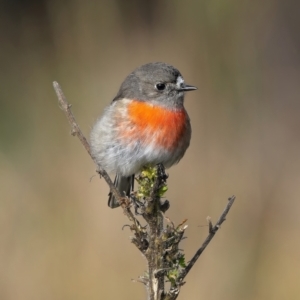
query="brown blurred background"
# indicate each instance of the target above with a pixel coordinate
(58, 238)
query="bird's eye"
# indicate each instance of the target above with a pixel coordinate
(160, 86)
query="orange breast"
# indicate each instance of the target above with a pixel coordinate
(154, 123)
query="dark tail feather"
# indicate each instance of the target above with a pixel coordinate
(124, 185)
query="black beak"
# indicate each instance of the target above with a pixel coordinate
(187, 88)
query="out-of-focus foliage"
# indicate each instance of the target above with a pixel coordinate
(58, 238)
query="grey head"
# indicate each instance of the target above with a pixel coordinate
(157, 82)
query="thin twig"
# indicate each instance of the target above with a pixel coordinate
(66, 108)
(212, 232)
(76, 131)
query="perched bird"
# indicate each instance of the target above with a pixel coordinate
(146, 124)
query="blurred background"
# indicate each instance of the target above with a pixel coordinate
(58, 238)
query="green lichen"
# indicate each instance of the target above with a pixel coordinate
(176, 266)
(146, 181)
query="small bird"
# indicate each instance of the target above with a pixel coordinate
(146, 124)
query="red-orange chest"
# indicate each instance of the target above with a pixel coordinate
(155, 124)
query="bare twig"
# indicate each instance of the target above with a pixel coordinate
(66, 108)
(212, 232)
(175, 287)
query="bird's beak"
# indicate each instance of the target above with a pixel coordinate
(187, 88)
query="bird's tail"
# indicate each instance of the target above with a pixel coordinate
(124, 185)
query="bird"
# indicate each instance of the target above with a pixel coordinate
(145, 124)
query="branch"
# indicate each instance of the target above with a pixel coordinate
(154, 254)
(212, 232)
(75, 131)
(158, 243)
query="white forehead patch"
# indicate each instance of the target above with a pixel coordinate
(179, 81)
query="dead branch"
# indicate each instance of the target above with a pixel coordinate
(158, 243)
